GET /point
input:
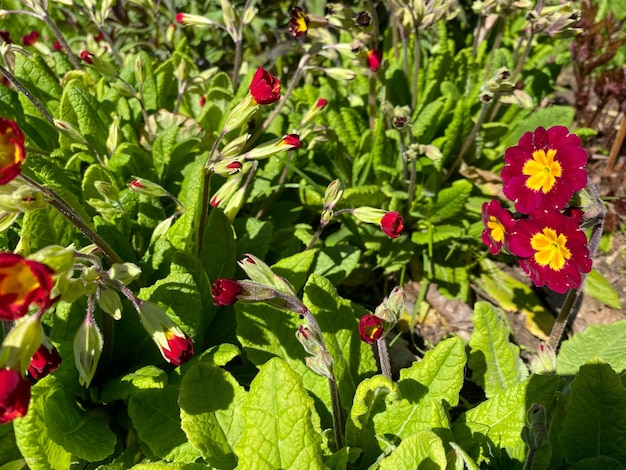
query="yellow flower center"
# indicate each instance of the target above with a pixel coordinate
(302, 22)
(17, 280)
(542, 170)
(497, 230)
(550, 249)
(9, 152)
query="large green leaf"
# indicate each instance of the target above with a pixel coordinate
(598, 287)
(278, 420)
(495, 362)
(500, 419)
(183, 234)
(423, 450)
(595, 424)
(608, 342)
(210, 406)
(449, 201)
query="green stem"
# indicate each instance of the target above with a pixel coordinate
(68, 211)
(383, 357)
(416, 67)
(28, 95)
(66, 47)
(206, 187)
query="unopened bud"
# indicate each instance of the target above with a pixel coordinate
(124, 273)
(187, 19)
(140, 70)
(235, 147)
(88, 344)
(309, 340)
(545, 361)
(110, 302)
(321, 364)
(26, 199)
(334, 192)
(338, 73)
(227, 166)
(68, 129)
(147, 188)
(21, 343)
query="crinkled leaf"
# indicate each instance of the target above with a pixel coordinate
(607, 342)
(278, 425)
(210, 406)
(84, 433)
(335, 263)
(254, 236)
(449, 201)
(423, 450)
(495, 362)
(184, 232)
(598, 287)
(545, 117)
(218, 254)
(500, 419)
(595, 424)
(295, 268)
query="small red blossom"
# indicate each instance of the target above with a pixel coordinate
(86, 56)
(44, 362)
(14, 395)
(321, 103)
(135, 185)
(215, 202)
(235, 166)
(552, 250)
(374, 59)
(180, 18)
(98, 37)
(392, 224)
(225, 291)
(6, 82)
(370, 328)
(498, 223)
(11, 150)
(30, 38)
(544, 170)
(202, 101)
(298, 22)
(293, 140)
(57, 46)
(179, 350)
(22, 283)
(5, 36)
(265, 88)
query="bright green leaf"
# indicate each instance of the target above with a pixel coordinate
(598, 287)
(423, 450)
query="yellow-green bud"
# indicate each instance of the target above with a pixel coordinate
(88, 345)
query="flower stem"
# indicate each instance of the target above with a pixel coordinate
(59, 35)
(383, 357)
(206, 188)
(68, 211)
(470, 138)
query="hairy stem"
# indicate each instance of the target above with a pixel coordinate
(59, 35)
(383, 357)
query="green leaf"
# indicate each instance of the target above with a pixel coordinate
(607, 342)
(156, 417)
(423, 450)
(495, 361)
(449, 201)
(500, 419)
(368, 402)
(438, 376)
(278, 422)
(184, 232)
(440, 233)
(597, 286)
(31, 433)
(254, 236)
(218, 246)
(295, 268)
(84, 433)
(213, 423)
(545, 117)
(595, 424)
(335, 263)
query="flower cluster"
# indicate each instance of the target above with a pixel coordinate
(373, 327)
(541, 174)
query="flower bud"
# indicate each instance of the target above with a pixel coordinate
(110, 302)
(147, 188)
(288, 142)
(21, 343)
(68, 129)
(140, 70)
(45, 360)
(370, 328)
(261, 273)
(391, 223)
(88, 345)
(309, 340)
(225, 291)
(187, 19)
(321, 364)
(230, 18)
(100, 65)
(234, 147)
(374, 59)
(241, 113)
(226, 191)
(124, 273)
(175, 346)
(535, 433)
(107, 190)
(234, 205)
(545, 361)
(333, 194)
(337, 73)
(227, 166)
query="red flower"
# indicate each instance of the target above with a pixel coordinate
(374, 59)
(98, 37)
(392, 224)
(57, 46)
(293, 140)
(14, 395)
(5, 36)
(298, 23)
(22, 283)
(498, 226)
(30, 39)
(321, 103)
(202, 101)
(544, 170)
(225, 291)
(552, 248)
(370, 328)
(44, 362)
(87, 57)
(265, 88)
(179, 350)
(11, 150)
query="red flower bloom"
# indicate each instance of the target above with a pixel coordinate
(552, 248)
(202, 101)
(370, 328)
(498, 226)
(392, 224)
(321, 103)
(544, 170)
(57, 46)
(265, 88)
(11, 150)
(180, 18)
(374, 59)
(44, 362)
(86, 56)
(22, 283)
(179, 350)
(225, 291)
(298, 23)
(30, 39)
(14, 395)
